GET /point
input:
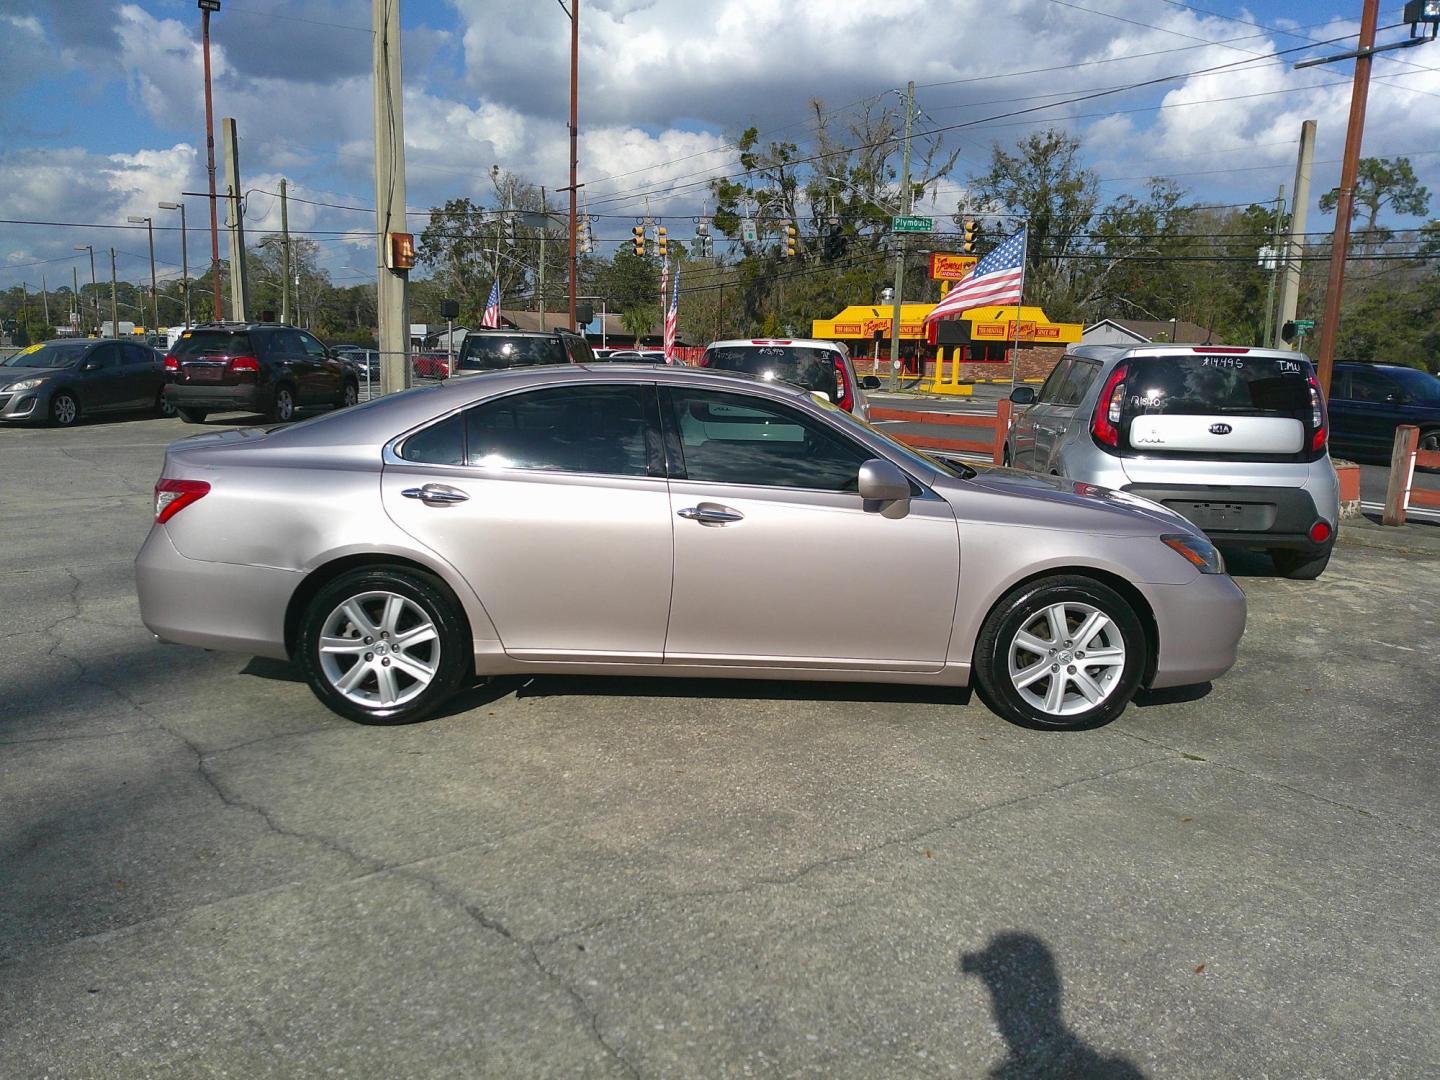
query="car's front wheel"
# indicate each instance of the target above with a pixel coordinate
(384, 645)
(350, 396)
(64, 409)
(163, 405)
(1061, 652)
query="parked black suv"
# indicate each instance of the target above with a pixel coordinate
(267, 368)
(1369, 401)
(495, 350)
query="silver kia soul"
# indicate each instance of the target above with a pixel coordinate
(1234, 439)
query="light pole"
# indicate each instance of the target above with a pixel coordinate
(94, 289)
(574, 12)
(206, 7)
(154, 298)
(114, 299)
(184, 257)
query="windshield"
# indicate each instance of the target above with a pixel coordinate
(212, 343)
(50, 355)
(911, 457)
(806, 366)
(496, 353)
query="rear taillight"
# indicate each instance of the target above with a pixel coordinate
(1105, 424)
(245, 364)
(172, 496)
(846, 398)
(172, 363)
(1317, 417)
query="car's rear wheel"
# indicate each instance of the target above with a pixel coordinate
(1430, 444)
(163, 407)
(350, 396)
(1300, 565)
(384, 645)
(282, 407)
(1061, 652)
(64, 409)
(193, 416)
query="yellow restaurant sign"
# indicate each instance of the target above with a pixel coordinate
(988, 324)
(950, 267)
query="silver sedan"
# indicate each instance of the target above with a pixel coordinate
(645, 521)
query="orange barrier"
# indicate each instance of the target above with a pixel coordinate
(1405, 458)
(993, 428)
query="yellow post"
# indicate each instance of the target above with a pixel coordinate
(939, 367)
(955, 365)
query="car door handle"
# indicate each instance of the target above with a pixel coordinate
(436, 494)
(711, 515)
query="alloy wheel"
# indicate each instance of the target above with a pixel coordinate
(66, 410)
(284, 405)
(379, 649)
(1067, 659)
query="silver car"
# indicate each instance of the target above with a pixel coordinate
(1233, 439)
(651, 521)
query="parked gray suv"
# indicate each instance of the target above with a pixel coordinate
(1234, 439)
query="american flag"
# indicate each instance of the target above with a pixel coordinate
(672, 316)
(492, 306)
(996, 279)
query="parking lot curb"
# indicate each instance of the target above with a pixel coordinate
(1415, 541)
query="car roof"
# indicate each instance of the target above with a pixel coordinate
(1112, 352)
(798, 343)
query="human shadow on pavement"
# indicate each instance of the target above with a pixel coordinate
(1020, 973)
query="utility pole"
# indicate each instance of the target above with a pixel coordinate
(898, 240)
(285, 259)
(75, 298)
(545, 221)
(184, 258)
(574, 148)
(391, 301)
(1345, 205)
(114, 299)
(154, 296)
(25, 306)
(45, 297)
(210, 166)
(1267, 341)
(94, 289)
(239, 278)
(1295, 245)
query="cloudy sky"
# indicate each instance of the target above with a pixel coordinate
(102, 113)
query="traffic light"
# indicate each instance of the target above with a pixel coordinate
(792, 239)
(835, 243)
(660, 247)
(639, 241)
(971, 228)
(587, 237)
(701, 247)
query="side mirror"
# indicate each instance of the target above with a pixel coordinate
(1399, 397)
(882, 481)
(869, 382)
(90, 365)
(1023, 395)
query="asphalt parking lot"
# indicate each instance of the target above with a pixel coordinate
(204, 873)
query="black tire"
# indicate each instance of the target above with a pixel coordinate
(64, 409)
(1429, 442)
(1300, 565)
(350, 395)
(1022, 607)
(162, 405)
(1005, 458)
(449, 655)
(282, 406)
(192, 416)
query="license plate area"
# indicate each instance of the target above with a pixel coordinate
(1227, 516)
(206, 373)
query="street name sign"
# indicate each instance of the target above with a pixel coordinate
(910, 223)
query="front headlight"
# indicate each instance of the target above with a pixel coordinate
(24, 384)
(1195, 550)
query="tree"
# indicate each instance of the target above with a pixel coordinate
(1381, 183)
(1045, 184)
(639, 319)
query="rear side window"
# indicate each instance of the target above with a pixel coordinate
(484, 353)
(200, 343)
(812, 368)
(580, 351)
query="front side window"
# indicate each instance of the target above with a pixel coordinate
(1050, 390)
(736, 439)
(1072, 390)
(312, 347)
(104, 357)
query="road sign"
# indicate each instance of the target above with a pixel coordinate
(209, 5)
(1304, 326)
(910, 223)
(748, 233)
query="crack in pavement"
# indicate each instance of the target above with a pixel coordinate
(1271, 781)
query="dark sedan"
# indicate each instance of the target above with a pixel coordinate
(1369, 401)
(62, 381)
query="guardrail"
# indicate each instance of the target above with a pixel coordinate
(1405, 457)
(993, 430)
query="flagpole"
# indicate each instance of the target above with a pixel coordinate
(1015, 349)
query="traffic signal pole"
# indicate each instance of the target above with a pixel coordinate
(1345, 204)
(908, 204)
(1295, 246)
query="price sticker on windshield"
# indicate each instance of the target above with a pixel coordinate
(28, 351)
(1231, 363)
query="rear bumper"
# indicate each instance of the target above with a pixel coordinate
(214, 605)
(245, 398)
(1265, 517)
(1199, 626)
